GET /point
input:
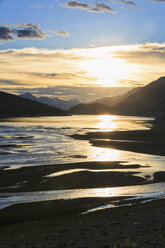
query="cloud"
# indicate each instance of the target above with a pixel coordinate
(24, 31)
(146, 53)
(60, 33)
(27, 25)
(82, 93)
(6, 34)
(77, 5)
(131, 3)
(80, 75)
(21, 31)
(104, 7)
(9, 82)
(98, 7)
(60, 69)
(30, 33)
(35, 67)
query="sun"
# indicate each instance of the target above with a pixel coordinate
(108, 70)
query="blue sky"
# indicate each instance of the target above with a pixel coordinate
(144, 23)
(47, 45)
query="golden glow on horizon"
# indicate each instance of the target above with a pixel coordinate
(109, 71)
(102, 66)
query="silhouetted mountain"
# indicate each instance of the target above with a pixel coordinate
(29, 96)
(111, 101)
(12, 105)
(55, 102)
(90, 109)
(149, 99)
(160, 108)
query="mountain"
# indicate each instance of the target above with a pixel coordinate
(101, 106)
(12, 105)
(55, 102)
(90, 109)
(28, 96)
(149, 99)
(111, 101)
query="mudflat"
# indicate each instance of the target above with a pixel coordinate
(73, 176)
(150, 141)
(61, 224)
(74, 223)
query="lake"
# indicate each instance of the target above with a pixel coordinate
(35, 141)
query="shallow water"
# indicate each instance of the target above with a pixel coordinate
(156, 190)
(46, 140)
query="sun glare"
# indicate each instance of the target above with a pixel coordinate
(108, 70)
(106, 122)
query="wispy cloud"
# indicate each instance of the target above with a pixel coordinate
(131, 3)
(60, 33)
(146, 54)
(89, 67)
(82, 93)
(96, 7)
(41, 6)
(77, 5)
(104, 7)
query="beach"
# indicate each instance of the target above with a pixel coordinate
(87, 203)
(80, 222)
(132, 226)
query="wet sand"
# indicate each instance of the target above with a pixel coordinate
(150, 141)
(36, 178)
(59, 224)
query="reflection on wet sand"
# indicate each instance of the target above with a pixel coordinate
(54, 144)
(50, 139)
(156, 190)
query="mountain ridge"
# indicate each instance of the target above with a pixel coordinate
(55, 102)
(148, 100)
(12, 105)
(144, 100)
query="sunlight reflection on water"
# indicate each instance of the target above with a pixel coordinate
(46, 140)
(107, 122)
(105, 154)
(156, 190)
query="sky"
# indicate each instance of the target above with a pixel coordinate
(80, 49)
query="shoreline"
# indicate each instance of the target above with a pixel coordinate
(61, 224)
(93, 175)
